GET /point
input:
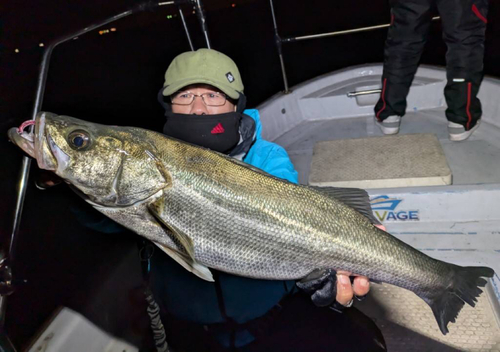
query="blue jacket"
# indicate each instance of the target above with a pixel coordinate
(190, 298)
(268, 156)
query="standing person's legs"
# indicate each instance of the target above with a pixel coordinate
(464, 27)
(410, 21)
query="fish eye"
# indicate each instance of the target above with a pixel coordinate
(78, 140)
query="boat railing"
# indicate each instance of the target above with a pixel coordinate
(279, 41)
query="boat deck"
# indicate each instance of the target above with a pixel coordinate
(408, 324)
(475, 161)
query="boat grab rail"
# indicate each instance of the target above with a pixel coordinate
(363, 92)
(279, 41)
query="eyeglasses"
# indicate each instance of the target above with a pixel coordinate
(210, 99)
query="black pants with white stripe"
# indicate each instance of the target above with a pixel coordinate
(464, 26)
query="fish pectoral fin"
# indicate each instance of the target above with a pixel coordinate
(156, 210)
(356, 198)
(192, 266)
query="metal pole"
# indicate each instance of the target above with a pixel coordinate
(25, 167)
(363, 92)
(201, 18)
(42, 79)
(347, 31)
(186, 28)
(278, 46)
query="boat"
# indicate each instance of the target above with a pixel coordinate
(450, 212)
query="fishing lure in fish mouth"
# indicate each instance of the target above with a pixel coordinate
(207, 210)
(24, 125)
(26, 135)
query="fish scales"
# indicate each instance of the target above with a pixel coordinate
(271, 225)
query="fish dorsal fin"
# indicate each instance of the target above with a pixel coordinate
(156, 209)
(356, 198)
(194, 267)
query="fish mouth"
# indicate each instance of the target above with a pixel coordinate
(24, 140)
(38, 144)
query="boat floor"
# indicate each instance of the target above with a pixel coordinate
(408, 324)
(406, 321)
(475, 161)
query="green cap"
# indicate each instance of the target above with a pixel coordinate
(206, 66)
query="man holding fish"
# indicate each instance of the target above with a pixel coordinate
(204, 105)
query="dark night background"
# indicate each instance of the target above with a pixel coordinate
(114, 79)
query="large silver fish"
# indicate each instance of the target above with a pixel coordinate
(207, 210)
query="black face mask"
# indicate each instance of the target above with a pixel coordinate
(216, 132)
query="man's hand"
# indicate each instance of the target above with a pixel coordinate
(360, 285)
(328, 287)
(346, 290)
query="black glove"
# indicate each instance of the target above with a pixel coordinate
(321, 285)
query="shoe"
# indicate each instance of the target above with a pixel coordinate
(390, 125)
(458, 133)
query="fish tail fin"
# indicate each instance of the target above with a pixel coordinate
(464, 288)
